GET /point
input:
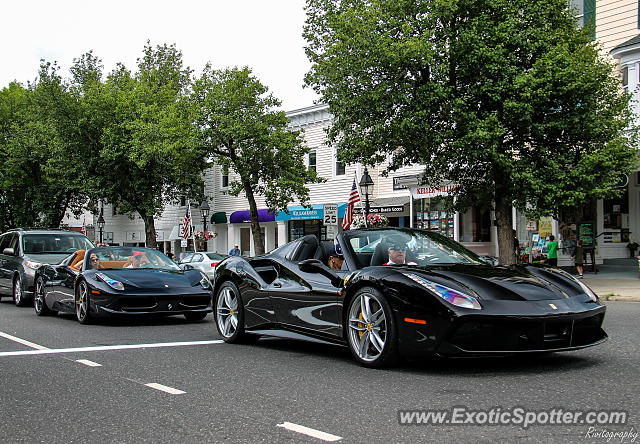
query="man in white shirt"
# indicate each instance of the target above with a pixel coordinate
(397, 256)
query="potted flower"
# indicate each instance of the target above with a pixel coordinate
(205, 235)
(373, 220)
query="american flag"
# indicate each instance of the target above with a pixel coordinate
(354, 198)
(186, 223)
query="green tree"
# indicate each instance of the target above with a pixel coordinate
(506, 98)
(138, 133)
(237, 124)
(33, 190)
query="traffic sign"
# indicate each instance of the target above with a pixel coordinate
(330, 216)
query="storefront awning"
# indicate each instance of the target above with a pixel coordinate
(241, 217)
(304, 213)
(219, 218)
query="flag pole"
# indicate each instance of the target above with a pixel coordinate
(193, 232)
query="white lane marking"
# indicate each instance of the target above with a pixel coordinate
(50, 351)
(309, 432)
(23, 342)
(164, 388)
(88, 363)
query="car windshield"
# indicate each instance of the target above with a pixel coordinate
(216, 256)
(109, 258)
(54, 243)
(418, 247)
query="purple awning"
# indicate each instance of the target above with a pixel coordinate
(241, 217)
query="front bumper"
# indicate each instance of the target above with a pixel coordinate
(510, 327)
(151, 304)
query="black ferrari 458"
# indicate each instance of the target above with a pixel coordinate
(121, 281)
(403, 292)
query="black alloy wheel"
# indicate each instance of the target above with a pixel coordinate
(39, 303)
(371, 329)
(82, 303)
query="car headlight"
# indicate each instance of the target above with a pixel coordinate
(594, 297)
(33, 265)
(448, 294)
(116, 285)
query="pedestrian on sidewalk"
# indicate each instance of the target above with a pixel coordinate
(578, 257)
(552, 247)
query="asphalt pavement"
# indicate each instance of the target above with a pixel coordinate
(169, 380)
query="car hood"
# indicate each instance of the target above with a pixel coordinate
(154, 279)
(47, 258)
(517, 283)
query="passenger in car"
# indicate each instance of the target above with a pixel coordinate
(336, 258)
(94, 261)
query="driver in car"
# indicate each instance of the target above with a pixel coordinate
(397, 255)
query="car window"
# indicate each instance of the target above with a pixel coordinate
(215, 256)
(420, 247)
(4, 241)
(13, 241)
(197, 258)
(129, 257)
(186, 259)
(54, 243)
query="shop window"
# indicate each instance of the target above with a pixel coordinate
(299, 228)
(431, 214)
(616, 218)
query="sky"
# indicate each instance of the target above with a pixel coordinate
(265, 35)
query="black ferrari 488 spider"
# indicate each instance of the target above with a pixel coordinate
(121, 280)
(403, 292)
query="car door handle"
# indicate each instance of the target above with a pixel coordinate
(277, 285)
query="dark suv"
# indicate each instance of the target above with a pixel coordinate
(24, 250)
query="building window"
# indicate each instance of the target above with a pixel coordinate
(225, 181)
(339, 166)
(589, 19)
(625, 78)
(312, 160)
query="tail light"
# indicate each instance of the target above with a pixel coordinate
(213, 264)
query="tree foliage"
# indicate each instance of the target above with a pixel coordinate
(34, 191)
(238, 125)
(508, 99)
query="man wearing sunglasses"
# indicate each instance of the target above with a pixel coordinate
(398, 255)
(94, 262)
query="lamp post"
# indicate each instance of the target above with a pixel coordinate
(365, 183)
(204, 210)
(101, 223)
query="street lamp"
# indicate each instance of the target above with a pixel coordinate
(101, 223)
(365, 183)
(204, 210)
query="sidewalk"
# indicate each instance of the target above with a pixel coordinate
(615, 282)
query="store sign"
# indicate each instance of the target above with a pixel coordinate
(378, 210)
(399, 181)
(532, 225)
(423, 192)
(159, 235)
(134, 236)
(306, 214)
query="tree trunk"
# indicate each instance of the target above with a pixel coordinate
(258, 239)
(504, 218)
(150, 230)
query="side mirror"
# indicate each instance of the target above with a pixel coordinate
(9, 252)
(316, 266)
